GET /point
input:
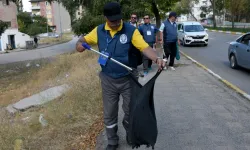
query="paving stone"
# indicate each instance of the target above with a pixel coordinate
(40, 98)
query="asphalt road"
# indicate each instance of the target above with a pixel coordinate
(39, 53)
(215, 57)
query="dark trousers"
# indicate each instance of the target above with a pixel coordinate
(111, 91)
(147, 63)
(170, 49)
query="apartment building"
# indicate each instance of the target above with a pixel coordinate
(56, 14)
(11, 37)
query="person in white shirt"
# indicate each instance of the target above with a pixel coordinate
(169, 38)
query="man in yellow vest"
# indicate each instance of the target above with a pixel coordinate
(117, 39)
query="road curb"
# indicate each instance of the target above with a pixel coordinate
(227, 83)
(228, 32)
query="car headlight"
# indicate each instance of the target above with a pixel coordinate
(186, 36)
(206, 36)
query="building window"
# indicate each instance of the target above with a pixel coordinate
(5, 2)
(79, 13)
(47, 3)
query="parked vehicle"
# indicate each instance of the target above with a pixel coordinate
(239, 52)
(192, 33)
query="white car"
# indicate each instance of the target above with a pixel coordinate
(192, 33)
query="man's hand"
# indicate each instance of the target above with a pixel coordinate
(79, 46)
(179, 42)
(161, 41)
(161, 64)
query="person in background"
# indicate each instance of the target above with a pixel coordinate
(36, 41)
(169, 38)
(116, 38)
(149, 33)
(133, 20)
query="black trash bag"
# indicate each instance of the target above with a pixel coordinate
(142, 123)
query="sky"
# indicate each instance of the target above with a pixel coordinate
(26, 5)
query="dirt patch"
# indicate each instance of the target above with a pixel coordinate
(69, 117)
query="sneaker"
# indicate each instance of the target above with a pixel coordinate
(172, 68)
(141, 75)
(165, 68)
(145, 73)
(165, 59)
(112, 147)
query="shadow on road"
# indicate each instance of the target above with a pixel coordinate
(240, 69)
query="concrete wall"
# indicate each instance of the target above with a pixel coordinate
(8, 13)
(20, 38)
(60, 10)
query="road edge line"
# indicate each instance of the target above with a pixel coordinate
(225, 82)
(228, 32)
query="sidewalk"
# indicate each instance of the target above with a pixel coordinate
(195, 112)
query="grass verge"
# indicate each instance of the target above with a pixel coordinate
(243, 30)
(70, 117)
(48, 40)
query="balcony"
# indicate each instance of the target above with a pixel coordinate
(35, 7)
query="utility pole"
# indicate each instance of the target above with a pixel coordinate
(59, 4)
(47, 19)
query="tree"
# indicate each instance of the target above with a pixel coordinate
(83, 26)
(31, 25)
(185, 7)
(236, 8)
(216, 7)
(140, 7)
(24, 20)
(19, 5)
(213, 8)
(3, 26)
(35, 29)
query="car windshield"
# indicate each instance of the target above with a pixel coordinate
(193, 28)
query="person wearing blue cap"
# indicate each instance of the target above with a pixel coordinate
(120, 41)
(169, 38)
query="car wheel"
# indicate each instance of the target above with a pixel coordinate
(233, 62)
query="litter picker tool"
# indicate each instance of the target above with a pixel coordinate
(132, 71)
(88, 47)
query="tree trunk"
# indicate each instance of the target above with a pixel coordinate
(156, 13)
(233, 21)
(193, 16)
(214, 20)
